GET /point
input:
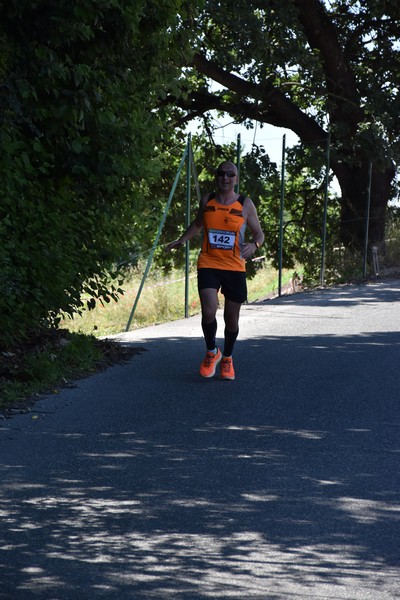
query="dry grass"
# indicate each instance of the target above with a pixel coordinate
(161, 300)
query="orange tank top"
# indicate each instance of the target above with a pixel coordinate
(223, 236)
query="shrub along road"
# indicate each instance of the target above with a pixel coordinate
(145, 481)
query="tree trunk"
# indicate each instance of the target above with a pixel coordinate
(354, 183)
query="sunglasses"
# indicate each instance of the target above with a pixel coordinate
(221, 173)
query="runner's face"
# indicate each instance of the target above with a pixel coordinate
(227, 176)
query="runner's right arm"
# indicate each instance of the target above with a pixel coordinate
(194, 228)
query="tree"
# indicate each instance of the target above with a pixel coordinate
(79, 81)
(313, 67)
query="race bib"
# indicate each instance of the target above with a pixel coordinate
(223, 240)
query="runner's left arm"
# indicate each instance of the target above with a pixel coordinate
(254, 224)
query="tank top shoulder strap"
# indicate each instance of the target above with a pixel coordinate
(241, 199)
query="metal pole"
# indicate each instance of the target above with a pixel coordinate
(155, 243)
(367, 219)
(194, 172)
(187, 245)
(238, 153)
(327, 166)
(281, 215)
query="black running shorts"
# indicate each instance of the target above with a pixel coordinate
(232, 283)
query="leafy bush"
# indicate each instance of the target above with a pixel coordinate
(78, 80)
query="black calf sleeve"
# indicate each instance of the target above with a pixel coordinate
(230, 339)
(209, 331)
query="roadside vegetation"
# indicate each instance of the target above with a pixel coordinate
(53, 358)
(47, 362)
(162, 300)
(95, 102)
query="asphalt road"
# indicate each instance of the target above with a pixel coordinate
(148, 482)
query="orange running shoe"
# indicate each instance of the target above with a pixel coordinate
(210, 363)
(227, 371)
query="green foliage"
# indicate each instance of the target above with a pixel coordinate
(79, 80)
(46, 361)
(313, 67)
(277, 44)
(206, 158)
(261, 181)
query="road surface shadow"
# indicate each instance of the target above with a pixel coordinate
(280, 485)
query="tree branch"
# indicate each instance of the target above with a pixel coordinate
(268, 105)
(322, 35)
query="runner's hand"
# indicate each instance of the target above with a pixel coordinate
(248, 250)
(174, 245)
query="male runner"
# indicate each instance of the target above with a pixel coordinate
(223, 216)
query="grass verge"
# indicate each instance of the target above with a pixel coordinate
(162, 300)
(50, 360)
(53, 359)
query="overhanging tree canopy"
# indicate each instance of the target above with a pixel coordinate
(79, 81)
(313, 67)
